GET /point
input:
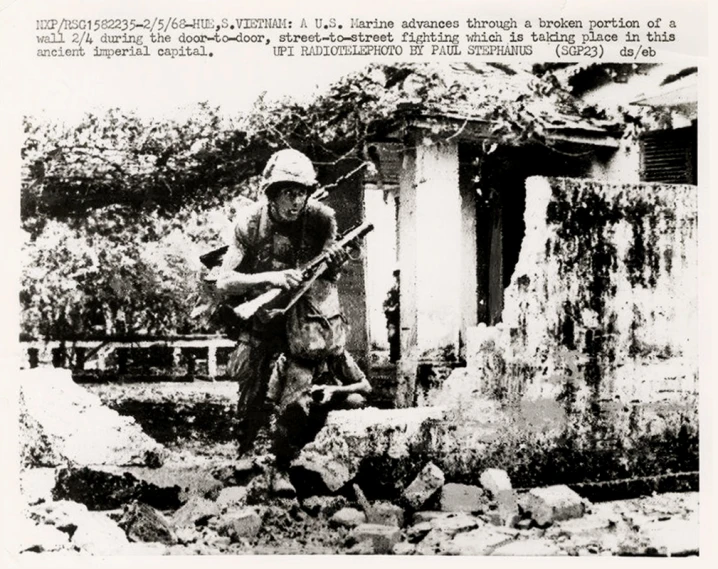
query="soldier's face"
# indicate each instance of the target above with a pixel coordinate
(290, 202)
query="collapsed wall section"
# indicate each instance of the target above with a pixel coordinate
(63, 423)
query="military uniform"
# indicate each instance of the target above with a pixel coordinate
(262, 244)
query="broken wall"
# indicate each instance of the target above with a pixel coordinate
(604, 295)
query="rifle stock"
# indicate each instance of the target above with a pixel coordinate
(311, 272)
(248, 309)
(259, 305)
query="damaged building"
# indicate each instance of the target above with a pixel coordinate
(553, 252)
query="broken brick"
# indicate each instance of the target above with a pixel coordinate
(424, 486)
(231, 497)
(243, 523)
(554, 503)
(195, 512)
(143, 523)
(495, 481)
(383, 538)
(386, 514)
(462, 498)
(324, 505)
(348, 517)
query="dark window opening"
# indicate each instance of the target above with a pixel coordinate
(670, 156)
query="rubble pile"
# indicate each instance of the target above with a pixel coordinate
(238, 514)
(110, 500)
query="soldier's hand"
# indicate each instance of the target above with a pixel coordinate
(336, 256)
(286, 279)
(322, 394)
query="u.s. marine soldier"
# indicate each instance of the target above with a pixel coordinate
(271, 239)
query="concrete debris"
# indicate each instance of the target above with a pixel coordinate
(196, 512)
(36, 484)
(143, 523)
(427, 516)
(481, 541)
(232, 497)
(213, 499)
(240, 524)
(424, 486)
(524, 524)
(65, 422)
(495, 481)
(187, 534)
(383, 538)
(529, 548)
(383, 513)
(452, 524)
(100, 490)
(462, 498)
(65, 515)
(436, 542)
(442, 530)
(554, 503)
(39, 538)
(315, 473)
(349, 437)
(587, 525)
(507, 509)
(97, 534)
(404, 548)
(281, 486)
(348, 517)
(37, 448)
(365, 547)
(194, 479)
(673, 537)
(325, 506)
(417, 532)
(387, 514)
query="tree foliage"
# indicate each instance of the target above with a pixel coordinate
(117, 208)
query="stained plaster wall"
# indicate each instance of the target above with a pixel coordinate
(603, 298)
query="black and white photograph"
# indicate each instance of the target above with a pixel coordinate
(436, 306)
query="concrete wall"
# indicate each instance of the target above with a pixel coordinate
(381, 259)
(604, 295)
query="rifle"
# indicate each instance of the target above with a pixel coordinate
(311, 271)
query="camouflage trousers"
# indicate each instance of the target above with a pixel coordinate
(251, 364)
